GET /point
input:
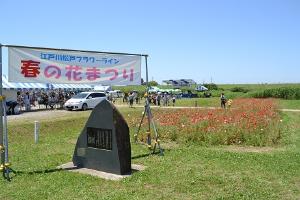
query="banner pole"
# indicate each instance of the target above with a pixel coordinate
(6, 170)
(2, 148)
(147, 83)
(147, 106)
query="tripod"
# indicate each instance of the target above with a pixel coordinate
(147, 112)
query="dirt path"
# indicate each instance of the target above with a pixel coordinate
(41, 115)
(289, 110)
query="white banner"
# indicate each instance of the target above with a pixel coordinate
(56, 66)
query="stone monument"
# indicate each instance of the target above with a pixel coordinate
(104, 143)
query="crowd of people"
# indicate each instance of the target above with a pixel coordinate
(166, 99)
(26, 100)
(158, 99)
(162, 99)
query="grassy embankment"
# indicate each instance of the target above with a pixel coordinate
(187, 171)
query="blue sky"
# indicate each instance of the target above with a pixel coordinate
(233, 41)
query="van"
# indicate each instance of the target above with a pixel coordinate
(84, 100)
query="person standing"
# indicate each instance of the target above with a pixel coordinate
(20, 100)
(27, 101)
(229, 103)
(137, 98)
(165, 99)
(61, 99)
(131, 98)
(158, 98)
(125, 97)
(173, 100)
(223, 101)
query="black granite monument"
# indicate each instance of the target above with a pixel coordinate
(104, 143)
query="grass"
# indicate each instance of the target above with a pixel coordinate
(198, 102)
(289, 104)
(215, 102)
(187, 171)
(250, 90)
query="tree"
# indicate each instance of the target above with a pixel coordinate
(211, 86)
(153, 83)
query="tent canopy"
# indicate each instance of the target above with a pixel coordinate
(156, 90)
(102, 88)
(12, 85)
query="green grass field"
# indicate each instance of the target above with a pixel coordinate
(215, 102)
(289, 104)
(250, 90)
(187, 171)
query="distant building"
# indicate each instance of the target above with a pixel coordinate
(179, 82)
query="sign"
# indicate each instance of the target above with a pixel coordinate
(57, 66)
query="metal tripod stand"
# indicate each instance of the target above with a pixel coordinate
(147, 112)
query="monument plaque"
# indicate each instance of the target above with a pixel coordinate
(99, 138)
(104, 143)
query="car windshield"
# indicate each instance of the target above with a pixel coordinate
(80, 96)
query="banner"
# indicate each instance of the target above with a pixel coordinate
(56, 66)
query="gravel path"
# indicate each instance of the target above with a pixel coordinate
(41, 115)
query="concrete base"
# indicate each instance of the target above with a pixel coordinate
(109, 176)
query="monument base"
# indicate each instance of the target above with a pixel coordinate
(109, 176)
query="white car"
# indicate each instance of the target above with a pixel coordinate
(115, 94)
(84, 100)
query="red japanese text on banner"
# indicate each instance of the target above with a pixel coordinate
(56, 66)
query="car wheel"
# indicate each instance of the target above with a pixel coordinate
(84, 107)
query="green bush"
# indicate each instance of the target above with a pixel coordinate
(239, 89)
(211, 86)
(283, 93)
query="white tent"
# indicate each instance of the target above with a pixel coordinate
(153, 89)
(70, 86)
(102, 88)
(12, 85)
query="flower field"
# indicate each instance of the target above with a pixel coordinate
(249, 121)
(191, 168)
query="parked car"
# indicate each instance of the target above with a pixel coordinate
(116, 93)
(189, 95)
(84, 100)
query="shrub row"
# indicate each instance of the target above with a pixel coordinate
(239, 89)
(284, 93)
